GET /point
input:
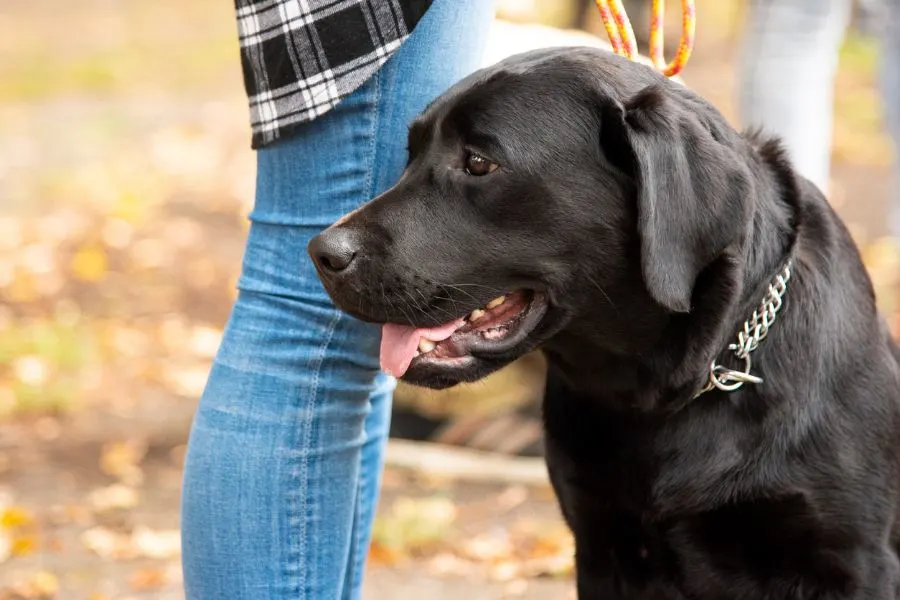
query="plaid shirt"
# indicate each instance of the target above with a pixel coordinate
(301, 57)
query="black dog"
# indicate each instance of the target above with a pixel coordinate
(621, 225)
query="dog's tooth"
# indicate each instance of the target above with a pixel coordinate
(496, 302)
(426, 345)
(475, 315)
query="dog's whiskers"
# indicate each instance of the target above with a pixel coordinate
(602, 291)
(405, 314)
(425, 300)
(458, 287)
(449, 314)
(415, 304)
(394, 307)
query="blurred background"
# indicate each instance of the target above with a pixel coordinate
(125, 180)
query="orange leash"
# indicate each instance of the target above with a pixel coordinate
(621, 35)
(618, 27)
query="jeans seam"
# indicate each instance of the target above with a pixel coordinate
(373, 134)
(303, 475)
(350, 578)
(370, 185)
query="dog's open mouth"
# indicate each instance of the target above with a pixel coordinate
(498, 326)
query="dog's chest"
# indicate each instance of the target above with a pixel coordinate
(650, 467)
(659, 510)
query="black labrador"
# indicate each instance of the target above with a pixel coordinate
(728, 427)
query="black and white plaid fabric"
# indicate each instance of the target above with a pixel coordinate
(301, 57)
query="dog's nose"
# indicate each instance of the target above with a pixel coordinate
(333, 250)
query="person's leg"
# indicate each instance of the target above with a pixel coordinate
(889, 78)
(788, 64)
(284, 458)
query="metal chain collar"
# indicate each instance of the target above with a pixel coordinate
(756, 328)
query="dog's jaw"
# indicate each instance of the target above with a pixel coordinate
(482, 342)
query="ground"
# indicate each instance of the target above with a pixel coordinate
(126, 179)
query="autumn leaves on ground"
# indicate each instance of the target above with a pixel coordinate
(125, 180)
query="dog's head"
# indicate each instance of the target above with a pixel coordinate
(561, 190)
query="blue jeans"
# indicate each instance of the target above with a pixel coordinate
(285, 453)
(788, 66)
(889, 78)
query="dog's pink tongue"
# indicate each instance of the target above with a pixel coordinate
(400, 342)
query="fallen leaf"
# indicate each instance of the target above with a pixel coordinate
(15, 517)
(152, 543)
(414, 525)
(45, 583)
(506, 570)
(122, 460)
(489, 546)
(90, 264)
(512, 497)
(22, 289)
(147, 579)
(382, 555)
(107, 544)
(42, 585)
(551, 566)
(425, 510)
(116, 496)
(23, 545)
(551, 541)
(446, 564)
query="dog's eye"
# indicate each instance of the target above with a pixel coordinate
(478, 165)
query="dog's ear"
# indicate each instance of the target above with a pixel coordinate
(692, 186)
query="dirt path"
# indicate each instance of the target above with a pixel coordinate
(102, 518)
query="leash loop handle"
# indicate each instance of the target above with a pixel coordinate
(685, 45)
(621, 35)
(618, 27)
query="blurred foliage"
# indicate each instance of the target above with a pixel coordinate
(44, 363)
(859, 128)
(128, 47)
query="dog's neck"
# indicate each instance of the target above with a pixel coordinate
(673, 363)
(762, 260)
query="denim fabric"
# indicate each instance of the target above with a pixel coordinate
(285, 453)
(789, 60)
(788, 65)
(889, 79)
